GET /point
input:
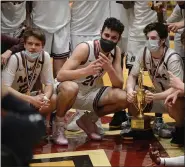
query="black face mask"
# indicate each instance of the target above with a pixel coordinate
(182, 6)
(107, 45)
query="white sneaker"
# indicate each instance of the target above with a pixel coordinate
(58, 135)
(100, 128)
(71, 125)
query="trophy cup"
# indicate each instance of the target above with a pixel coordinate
(141, 122)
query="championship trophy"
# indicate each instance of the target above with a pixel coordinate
(141, 122)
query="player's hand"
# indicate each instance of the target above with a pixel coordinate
(174, 26)
(171, 99)
(37, 101)
(175, 82)
(154, 155)
(159, 6)
(5, 56)
(93, 68)
(131, 96)
(105, 62)
(45, 108)
(149, 96)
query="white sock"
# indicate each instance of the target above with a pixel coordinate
(59, 119)
(174, 161)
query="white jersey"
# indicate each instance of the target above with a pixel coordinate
(51, 15)
(92, 81)
(160, 78)
(12, 16)
(87, 17)
(143, 15)
(14, 74)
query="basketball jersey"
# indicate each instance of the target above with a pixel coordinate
(20, 79)
(143, 15)
(51, 15)
(92, 81)
(12, 16)
(158, 68)
(87, 17)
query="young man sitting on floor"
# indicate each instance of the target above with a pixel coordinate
(80, 86)
(26, 67)
(158, 59)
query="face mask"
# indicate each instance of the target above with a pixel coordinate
(182, 6)
(32, 56)
(107, 45)
(153, 45)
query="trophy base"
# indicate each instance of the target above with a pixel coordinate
(141, 124)
(138, 135)
(140, 129)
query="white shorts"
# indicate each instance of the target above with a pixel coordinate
(58, 43)
(89, 101)
(123, 44)
(77, 39)
(133, 48)
(16, 33)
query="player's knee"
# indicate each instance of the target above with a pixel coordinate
(120, 98)
(68, 87)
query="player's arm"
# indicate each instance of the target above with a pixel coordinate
(116, 73)
(164, 94)
(132, 78)
(131, 83)
(8, 76)
(69, 70)
(176, 68)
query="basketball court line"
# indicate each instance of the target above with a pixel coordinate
(97, 157)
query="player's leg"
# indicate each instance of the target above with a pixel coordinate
(177, 113)
(72, 126)
(111, 101)
(60, 48)
(67, 92)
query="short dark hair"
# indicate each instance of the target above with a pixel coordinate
(113, 24)
(36, 32)
(183, 38)
(161, 29)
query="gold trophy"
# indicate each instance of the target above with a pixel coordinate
(141, 122)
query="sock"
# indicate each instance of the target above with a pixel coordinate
(59, 119)
(174, 161)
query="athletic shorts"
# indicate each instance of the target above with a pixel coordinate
(16, 33)
(58, 43)
(89, 101)
(133, 48)
(123, 44)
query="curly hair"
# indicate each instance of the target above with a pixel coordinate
(113, 24)
(161, 29)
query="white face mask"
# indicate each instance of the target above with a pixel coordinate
(32, 56)
(153, 45)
